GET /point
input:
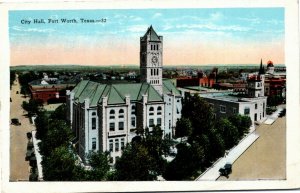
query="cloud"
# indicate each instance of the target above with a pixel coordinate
(135, 18)
(137, 28)
(214, 27)
(156, 15)
(22, 29)
(216, 16)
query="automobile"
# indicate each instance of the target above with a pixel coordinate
(282, 113)
(226, 169)
(15, 121)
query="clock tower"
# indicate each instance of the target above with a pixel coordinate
(151, 47)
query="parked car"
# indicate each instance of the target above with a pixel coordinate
(15, 121)
(282, 113)
(226, 169)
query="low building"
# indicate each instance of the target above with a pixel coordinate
(50, 90)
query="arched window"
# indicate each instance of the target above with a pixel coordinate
(151, 111)
(159, 110)
(93, 113)
(112, 114)
(121, 113)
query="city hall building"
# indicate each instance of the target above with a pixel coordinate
(104, 117)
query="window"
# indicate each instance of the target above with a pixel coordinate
(159, 110)
(122, 143)
(93, 143)
(133, 109)
(133, 121)
(93, 123)
(121, 125)
(247, 111)
(94, 114)
(151, 111)
(222, 109)
(116, 145)
(255, 106)
(121, 113)
(158, 121)
(112, 114)
(151, 122)
(151, 72)
(234, 110)
(112, 127)
(111, 145)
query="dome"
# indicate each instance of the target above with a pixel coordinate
(270, 64)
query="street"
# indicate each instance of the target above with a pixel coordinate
(266, 157)
(19, 168)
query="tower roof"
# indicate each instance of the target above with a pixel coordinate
(261, 68)
(153, 35)
(270, 64)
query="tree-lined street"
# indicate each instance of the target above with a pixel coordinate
(266, 157)
(19, 168)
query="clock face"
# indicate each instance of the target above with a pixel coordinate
(154, 59)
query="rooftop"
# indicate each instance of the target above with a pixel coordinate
(116, 93)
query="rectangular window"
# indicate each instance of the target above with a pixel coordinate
(94, 143)
(93, 123)
(151, 122)
(158, 121)
(121, 125)
(222, 109)
(112, 127)
(133, 121)
(117, 145)
(247, 111)
(122, 143)
(111, 145)
(255, 106)
(234, 110)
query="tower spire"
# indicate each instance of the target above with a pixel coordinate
(261, 68)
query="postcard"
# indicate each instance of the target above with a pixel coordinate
(121, 96)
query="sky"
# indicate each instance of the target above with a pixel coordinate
(190, 36)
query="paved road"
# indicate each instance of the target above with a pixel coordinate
(19, 168)
(266, 158)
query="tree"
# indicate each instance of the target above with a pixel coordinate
(186, 163)
(32, 107)
(12, 77)
(60, 165)
(199, 113)
(183, 127)
(135, 164)
(229, 132)
(58, 134)
(242, 123)
(41, 124)
(60, 113)
(100, 166)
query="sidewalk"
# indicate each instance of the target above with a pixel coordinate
(212, 173)
(270, 120)
(38, 156)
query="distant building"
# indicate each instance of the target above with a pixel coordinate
(105, 117)
(50, 90)
(226, 103)
(201, 80)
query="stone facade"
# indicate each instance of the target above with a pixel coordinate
(105, 117)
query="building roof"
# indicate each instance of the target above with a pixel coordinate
(169, 88)
(116, 93)
(153, 35)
